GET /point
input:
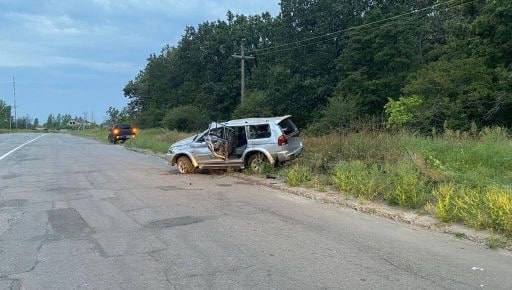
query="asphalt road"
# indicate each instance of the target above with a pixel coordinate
(77, 214)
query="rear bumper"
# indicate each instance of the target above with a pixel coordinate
(287, 155)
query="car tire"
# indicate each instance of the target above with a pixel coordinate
(184, 165)
(257, 162)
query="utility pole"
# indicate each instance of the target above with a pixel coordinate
(242, 58)
(14, 95)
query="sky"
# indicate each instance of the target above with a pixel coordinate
(75, 56)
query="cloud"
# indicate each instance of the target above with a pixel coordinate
(211, 9)
(47, 25)
(18, 54)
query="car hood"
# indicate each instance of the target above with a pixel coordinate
(183, 142)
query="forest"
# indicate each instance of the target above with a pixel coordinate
(419, 64)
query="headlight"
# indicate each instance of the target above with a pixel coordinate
(170, 151)
(116, 131)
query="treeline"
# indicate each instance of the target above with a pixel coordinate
(59, 121)
(62, 121)
(7, 120)
(418, 63)
(5, 115)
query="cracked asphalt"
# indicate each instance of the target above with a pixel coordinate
(77, 214)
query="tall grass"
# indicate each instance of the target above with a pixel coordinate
(156, 139)
(463, 176)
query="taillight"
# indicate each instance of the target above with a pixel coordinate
(282, 140)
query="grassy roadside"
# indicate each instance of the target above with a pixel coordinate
(156, 139)
(5, 131)
(457, 177)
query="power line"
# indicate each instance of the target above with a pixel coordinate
(329, 39)
(361, 26)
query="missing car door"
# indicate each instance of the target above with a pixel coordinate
(220, 141)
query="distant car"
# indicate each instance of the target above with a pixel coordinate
(245, 143)
(121, 133)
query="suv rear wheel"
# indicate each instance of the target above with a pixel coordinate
(184, 165)
(257, 162)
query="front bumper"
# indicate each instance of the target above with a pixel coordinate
(124, 137)
(287, 155)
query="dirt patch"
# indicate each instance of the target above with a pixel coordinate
(175, 222)
(68, 223)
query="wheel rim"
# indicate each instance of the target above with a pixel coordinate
(257, 163)
(181, 167)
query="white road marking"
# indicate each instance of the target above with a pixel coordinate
(21, 146)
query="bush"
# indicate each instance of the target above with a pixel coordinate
(445, 209)
(186, 118)
(256, 104)
(298, 175)
(488, 207)
(340, 112)
(360, 180)
(500, 209)
(399, 184)
(408, 188)
(404, 111)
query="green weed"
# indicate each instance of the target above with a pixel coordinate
(298, 175)
(359, 179)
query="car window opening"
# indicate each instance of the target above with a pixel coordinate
(259, 132)
(288, 127)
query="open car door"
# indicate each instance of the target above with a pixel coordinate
(219, 139)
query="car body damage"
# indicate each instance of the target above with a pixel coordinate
(239, 143)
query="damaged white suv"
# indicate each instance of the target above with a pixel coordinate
(240, 143)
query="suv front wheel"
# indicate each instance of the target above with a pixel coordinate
(257, 162)
(184, 165)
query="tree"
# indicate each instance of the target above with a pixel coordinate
(456, 58)
(50, 122)
(460, 92)
(257, 104)
(5, 115)
(36, 122)
(116, 116)
(185, 118)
